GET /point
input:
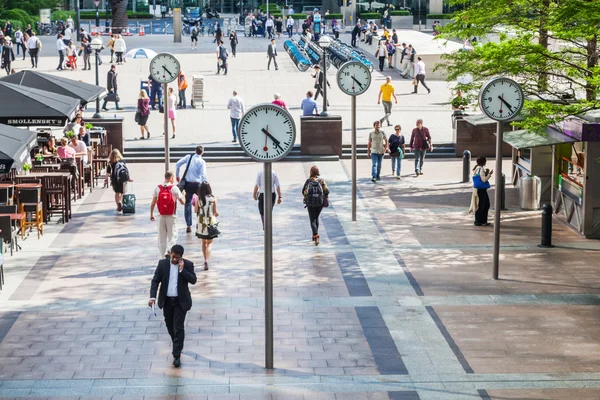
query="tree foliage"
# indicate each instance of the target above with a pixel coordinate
(549, 46)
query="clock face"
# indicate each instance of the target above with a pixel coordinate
(354, 78)
(501, 99)
(267, 132)
(164, 68)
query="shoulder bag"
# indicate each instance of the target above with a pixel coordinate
(426, 144)
(182, 181)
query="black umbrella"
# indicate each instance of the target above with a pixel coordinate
(85, 92)
(25, 106)
(15, 146)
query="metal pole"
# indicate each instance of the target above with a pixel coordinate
(466, 174)
(97, 19)
(419, 15)
(97, 115)
(166, 124)
(353, 119)
(498, 199)
(324, 113)
(268, 199)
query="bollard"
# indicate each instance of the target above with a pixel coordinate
(546, 225)
(503, 193)
(466, 166)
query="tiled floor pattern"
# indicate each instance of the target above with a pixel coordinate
(374, 312)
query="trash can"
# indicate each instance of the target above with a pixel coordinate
(530, 192)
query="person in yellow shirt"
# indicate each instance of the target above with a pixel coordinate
(386, 33)
(386, 92)
(181, 86)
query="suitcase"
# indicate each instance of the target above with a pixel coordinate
(129, 203)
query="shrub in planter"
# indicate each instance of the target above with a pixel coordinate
(332, 16)
(372, 15)
(64, 15)
(440, 16)
(400, 13)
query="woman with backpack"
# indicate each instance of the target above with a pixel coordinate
(315, 193)
(480, 201)
(119, 175)
(206, 229)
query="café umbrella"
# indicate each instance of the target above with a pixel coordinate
(25, 106)
(15, 147)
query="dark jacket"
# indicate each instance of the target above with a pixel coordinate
(417, 139)
(161, 276)
(111, 80)
(355, 31)
(322, 79)
(8, 55)
(270, 51)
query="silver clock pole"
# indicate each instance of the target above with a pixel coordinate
(268, 203)
(353, 119)
(166, 124)
(498, 198)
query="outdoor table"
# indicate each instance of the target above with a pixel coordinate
(98, 134)
(10, 191)
(42, 177)
(14, 216)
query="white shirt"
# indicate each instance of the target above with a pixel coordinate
(236, 105)
(68, 35)
(260, 181)
(70, 23)
(270, 23)
(420, 68)
(80, 148)
(60, 45)
(32, 42)
(18, 36)
(291, 11)
(290, 21)
(174, 191)
(173, 277)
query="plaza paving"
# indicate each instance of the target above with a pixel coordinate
(397, 305)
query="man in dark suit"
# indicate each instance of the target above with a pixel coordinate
(319, 82)
(174, 297)
(272, 54)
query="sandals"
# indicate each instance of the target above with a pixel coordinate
(148, 135)
(316, 239)
(205, 266)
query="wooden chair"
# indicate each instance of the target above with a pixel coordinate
(56, 194)
(8, 235)
(100, 161)
(75, 181)
(89, 170)
(40, 169)
(30, 203)
(12, 209)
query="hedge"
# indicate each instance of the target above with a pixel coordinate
(440, 16)
(63, 15)
(15, 23)
(336, 16)
(400, 13)
(17, 14)
(130, 14)
(263, 7)
(299, 16)
(371, 15)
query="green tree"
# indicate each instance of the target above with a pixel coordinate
(550, 47)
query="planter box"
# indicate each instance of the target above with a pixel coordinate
(402, 22)
(443, 22)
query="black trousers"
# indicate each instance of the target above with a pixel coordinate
(381, 63)
(175, 320)
(261, 206)
(313, 216)
(481, 215)
(33, 53)
(233, 46)
(353, 41)
(274, 61)
(319, 90)
(421, 78)
(61, 55)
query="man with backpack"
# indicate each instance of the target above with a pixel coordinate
(165, 198)
(222, 57)
(315, 194)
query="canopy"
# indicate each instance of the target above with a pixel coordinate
(140, 53)
(15, 145)
(83, 91)
(525, 139)
(25, 106)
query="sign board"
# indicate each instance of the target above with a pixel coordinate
(33, 121)
(97, 3)
(45, 15)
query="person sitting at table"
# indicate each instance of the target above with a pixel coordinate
(50, 148)
(84, 136)
(75, 125)
(67, 157)
(80, 148)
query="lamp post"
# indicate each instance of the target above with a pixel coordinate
(324, 43)
(97, 46)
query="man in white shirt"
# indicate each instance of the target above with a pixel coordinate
(237, 110)
(269, 25)
(70, 24)
(259, 193)
(80, 147)
(34, 45)
(166, 197)
(290, 25)
(420, 74)
(68, 36)
(60, 46)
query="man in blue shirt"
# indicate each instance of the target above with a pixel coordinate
(155, 90)
(194, 176)
(309, 106)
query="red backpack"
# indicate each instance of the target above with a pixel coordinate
(166, 202)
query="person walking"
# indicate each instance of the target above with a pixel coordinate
(182, 85)
(237, 111)
(279, 27)
(315, 195)
(480, 201)
(376, 148)
(218, 34)
(8, 55)
(174, 276)
(391, 49)
(143, 111)
(34, 45)
(233, 41)
(420, 142)
(194, 37)
(222, 57)
(72, 55)
(272, 54)
(19, 41)
(86, 49)
(397, 146)
(290, 25)
(319, 82)
(119, 176)
(194, 175)
(420, 75)
(259, 192)
(68, 35)
(111, 87)
(155, 93)
(111, 46)
(386, 92)
(172, 106)
(269, 26)
(279, 102)
(8, 28)
(206, 210)
(381, 54)
(120, 48)
(165, 198)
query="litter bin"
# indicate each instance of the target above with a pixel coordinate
(530, 192)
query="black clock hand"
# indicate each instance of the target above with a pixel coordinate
(504, 101)
(357, 82)
(277, 142)
(165, 68)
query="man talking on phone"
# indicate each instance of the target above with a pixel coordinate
(174, 297)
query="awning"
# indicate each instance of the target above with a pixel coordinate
(25, 106)
(525, 139)
(83, 91)
(15, 146)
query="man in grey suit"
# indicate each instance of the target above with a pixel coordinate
(174, 274)
(272, 54)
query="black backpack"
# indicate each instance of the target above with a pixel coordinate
(314, 194)
(121, 173)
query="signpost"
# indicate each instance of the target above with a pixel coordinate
(97, 5)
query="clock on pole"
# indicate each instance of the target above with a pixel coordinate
(267, 133)
(502, 100)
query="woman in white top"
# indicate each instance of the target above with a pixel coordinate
(480, 201)
(120, 48)
(72, 54)
(171, 109)
(206, 208)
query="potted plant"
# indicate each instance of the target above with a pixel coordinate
(69, 134)
(26, 168)
(39, 158)
(89, 126)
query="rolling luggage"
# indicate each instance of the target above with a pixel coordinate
(128, 201)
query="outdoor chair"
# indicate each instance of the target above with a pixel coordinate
(40, 169)
(100, 161)
(6, 195)
(30, 202)
(12, 209)
(9, 235)
(57, 197)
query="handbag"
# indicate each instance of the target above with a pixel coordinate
(479, 184)
(415, 83)
(112, 96)
(182, 181)
(138, 115)
(326, 201)
(426, 144)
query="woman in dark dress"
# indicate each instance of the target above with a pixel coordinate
(279, 27)
(480, 202)
(8, 55)
(233, 41)
(143, 110)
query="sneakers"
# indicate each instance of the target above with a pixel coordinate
(119, 207)
(398, 177)
(177, 362)
(205, 266)
(417, 174)
(189, 229)
(378, 178)
(373, 180)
